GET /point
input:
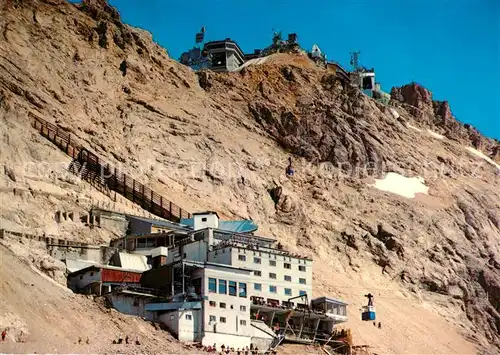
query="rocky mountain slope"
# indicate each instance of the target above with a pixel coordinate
(221, 142)
(45, 317)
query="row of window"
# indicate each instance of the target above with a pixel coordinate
(271, 262)
(223, 320)
(223, 305)
(272, 275)
(233, 287)
(274, 289)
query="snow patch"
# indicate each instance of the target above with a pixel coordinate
(435, 135)
(482, 155)
(401, 185)
(413, 127)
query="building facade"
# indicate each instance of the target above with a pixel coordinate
(98, 280)
(223, 55)
(226, 305)
(250, 290)
(277, 275)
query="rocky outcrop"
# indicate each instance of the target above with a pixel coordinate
(315, 128)
(100, 10)
(413, 94)
(438, 116)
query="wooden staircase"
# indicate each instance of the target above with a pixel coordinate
(105, 177)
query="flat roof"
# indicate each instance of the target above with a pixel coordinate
(158, 235)
(157, 222)
(246, 235)
(236, 226)
(202, 265)
(328, 299)
(108, 267)
(206, 212)
(295, 312)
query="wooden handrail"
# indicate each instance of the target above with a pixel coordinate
(114, 179)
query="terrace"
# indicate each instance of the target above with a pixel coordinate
(254, 243)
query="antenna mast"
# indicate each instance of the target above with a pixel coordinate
(355, 60)
(200, 36)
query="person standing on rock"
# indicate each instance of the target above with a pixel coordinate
(4, 334)
(289, 168)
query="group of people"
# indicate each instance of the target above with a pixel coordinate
(226, 349)
(86, 342)
(127, 341)
(19, 338)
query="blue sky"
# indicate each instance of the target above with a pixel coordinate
(440, 44)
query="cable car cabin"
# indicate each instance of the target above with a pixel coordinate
(368, 313)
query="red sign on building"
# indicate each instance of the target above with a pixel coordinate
(119, 276)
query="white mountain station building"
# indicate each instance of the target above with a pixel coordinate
(235, 289)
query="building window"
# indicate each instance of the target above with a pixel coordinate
(272, 289)
(272, 275)
(213, 304)
(256, 260)
(81, 277)
(243, 308)
(243, 322)
(188, 317)
(222, 319)
(257, 287)
(288, 278)
(242, 257)
(91, 273)
(232, 288)
(243, 289)
(288, 291)
(272, 262)
(343, 311)
(204, 219)
(302, 293)
(222, 305)
(302, 268)
(302, 281)
(212, 285)
(367, 83)
(212, 318)
(145, 243)
(222, 287)
(287, 265)
(257, 273)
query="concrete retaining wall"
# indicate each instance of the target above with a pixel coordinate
(66, 249)
(128, 304)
